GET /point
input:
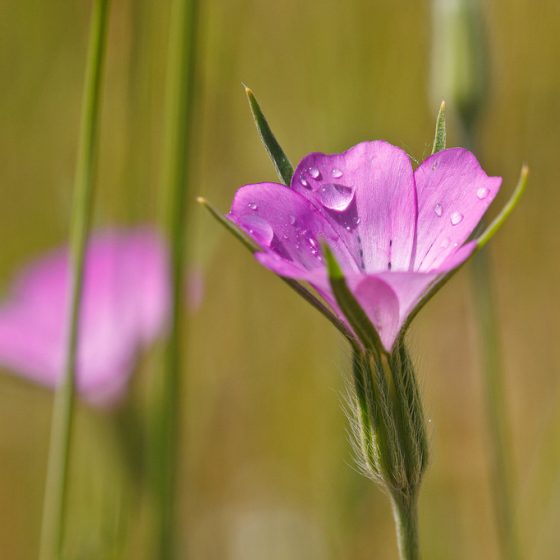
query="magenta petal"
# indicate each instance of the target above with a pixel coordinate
(410, 287)
(381, 305)
(368, 194)
(453, 194)
(125, 306)
(284, 223)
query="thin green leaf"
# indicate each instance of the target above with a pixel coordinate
(279, 159)
(352, 310)
(506, 210)
(230, 226)
(440, 137)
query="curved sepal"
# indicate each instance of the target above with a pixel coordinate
(230, 226)
(305, 293)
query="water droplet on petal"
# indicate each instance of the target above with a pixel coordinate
(285, 236)
(435, 165)
(314, 172)
(482, 193)
(356, 220)
(304, 182)
(456, 218)
(445, 243)
(252, 205)
(292, 220)
(258, 228)
(335, 197)
(438, 209)
(336, 173)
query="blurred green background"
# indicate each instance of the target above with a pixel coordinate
(267, 469)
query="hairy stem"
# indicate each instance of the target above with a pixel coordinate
(405, 513)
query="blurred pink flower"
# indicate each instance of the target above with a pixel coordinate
(125, 306)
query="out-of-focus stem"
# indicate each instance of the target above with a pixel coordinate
(178, 124)
(495, 403)
(54, 514)
(496, 408)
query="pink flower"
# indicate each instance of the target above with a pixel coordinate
(394, 230)
(124, 307)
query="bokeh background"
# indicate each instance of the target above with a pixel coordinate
(267, 468)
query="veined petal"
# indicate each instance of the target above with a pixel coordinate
(367, 193)
(454, 193)
(286, 224)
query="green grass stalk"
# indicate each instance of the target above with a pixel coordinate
(178, 130)
(54, 513)
(495, 402)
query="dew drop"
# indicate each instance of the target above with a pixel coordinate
(314, 172)
(445, 243)
(304, 182)
(348, 228)
(356, 220)
(435, 165)
(253, 205)
(336, 173)
(438, 209)
(292, 220)
(258, 228)
(482, 193)
(335, 197)
(456, 218)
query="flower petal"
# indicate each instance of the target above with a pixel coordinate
(411, 286)
(367, 193)
(284, 223)
(454, 192)
(381, 305)
(124, 306)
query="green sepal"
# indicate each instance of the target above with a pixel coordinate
(351, 309)
(230, 226)
(440, 136)
(499, 220)
(294, 284)
(482, 240)
(279, 159)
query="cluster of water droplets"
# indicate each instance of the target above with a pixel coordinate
(302, 239)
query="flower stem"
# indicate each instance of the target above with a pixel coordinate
(405, 513)
(178, 127)
(54, 513)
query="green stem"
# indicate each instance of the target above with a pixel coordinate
(178, 126)
(54, 514)
(405, 513)
(496, 408)
(494, 395)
